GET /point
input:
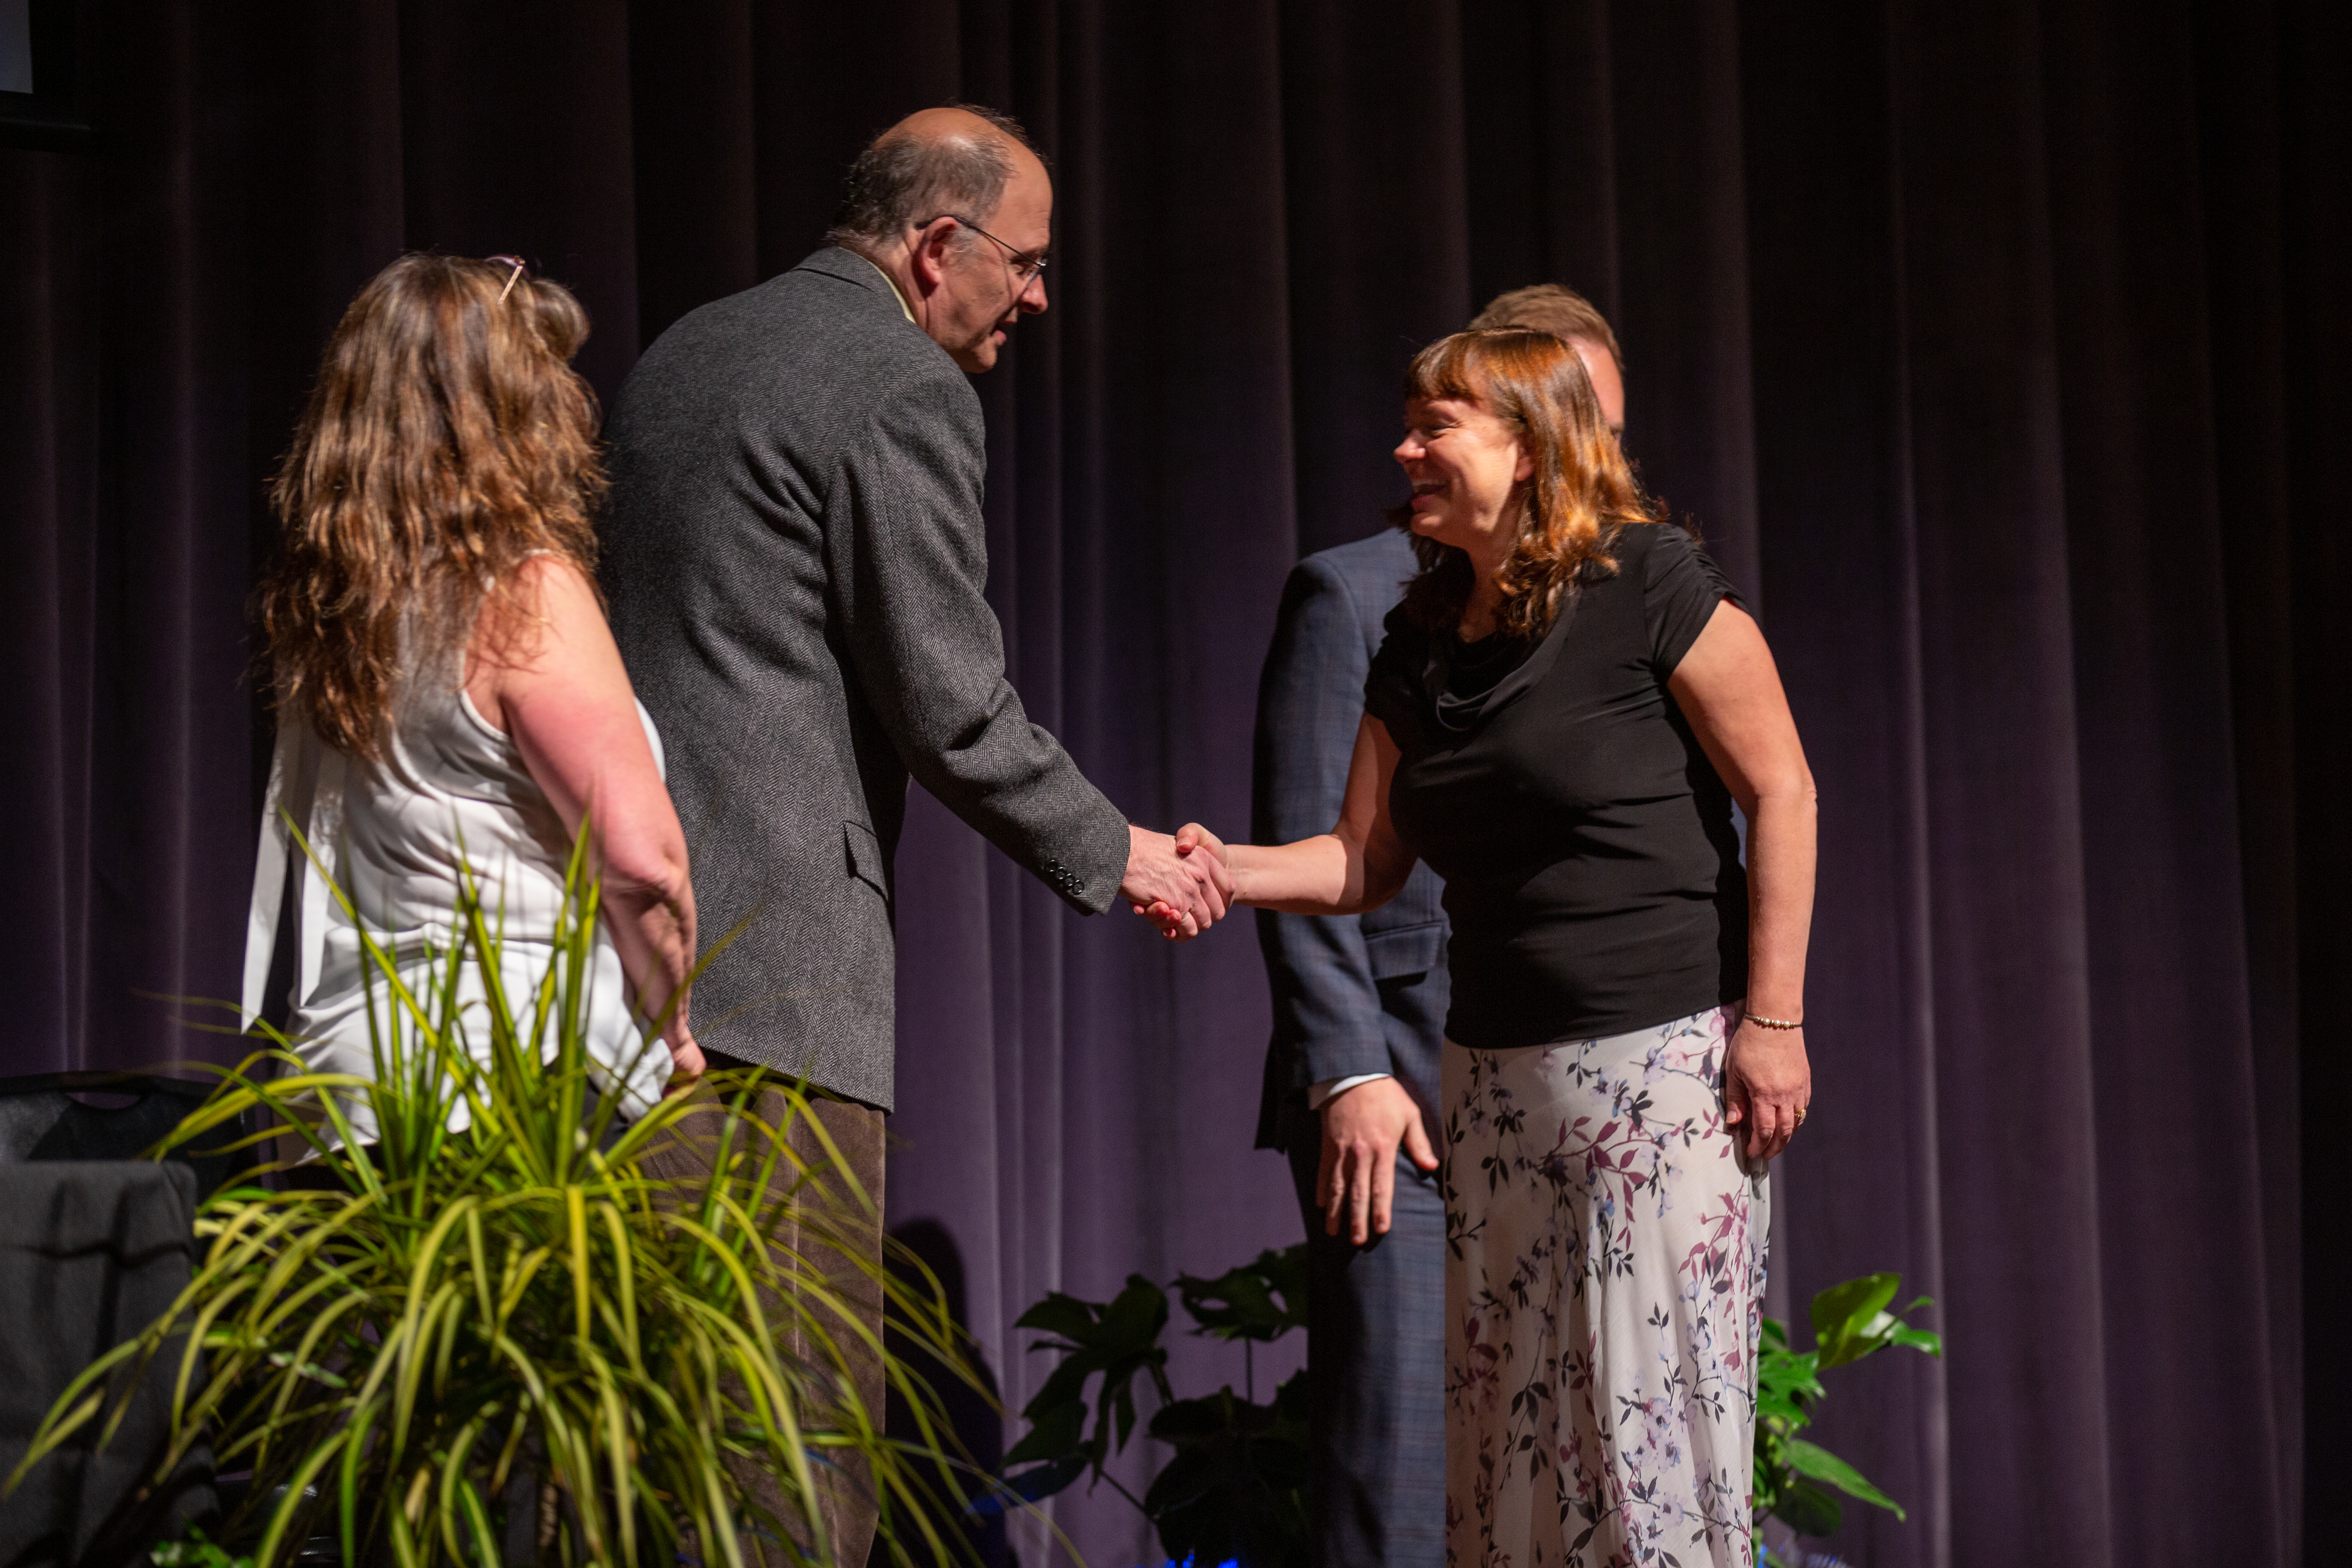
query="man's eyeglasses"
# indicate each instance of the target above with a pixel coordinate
(1026, 264)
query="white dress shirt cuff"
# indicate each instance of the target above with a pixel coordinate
(1318, 1094)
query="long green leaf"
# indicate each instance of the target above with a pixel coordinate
(1810, 1460)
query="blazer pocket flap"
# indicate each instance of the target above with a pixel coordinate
(1410, 950)
(866, 857)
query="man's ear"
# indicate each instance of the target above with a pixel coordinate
(931, 254)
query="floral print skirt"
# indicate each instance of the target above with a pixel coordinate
(1605, 1286)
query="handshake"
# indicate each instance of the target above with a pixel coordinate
(1182, 884)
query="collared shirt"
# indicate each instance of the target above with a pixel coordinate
(895, 294)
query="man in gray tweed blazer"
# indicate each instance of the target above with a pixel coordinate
(795, 556)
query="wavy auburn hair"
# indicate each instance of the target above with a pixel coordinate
(447, 440)
(1581, 493)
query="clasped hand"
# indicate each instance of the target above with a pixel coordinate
(1180, 883)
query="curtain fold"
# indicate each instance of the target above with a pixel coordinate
(1999, 354)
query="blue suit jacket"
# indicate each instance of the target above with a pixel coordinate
(1353, 994)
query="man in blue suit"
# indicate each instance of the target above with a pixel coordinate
(1351, 1072)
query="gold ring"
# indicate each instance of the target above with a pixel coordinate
(1800, 1116)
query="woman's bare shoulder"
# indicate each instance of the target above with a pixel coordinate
(545, 606)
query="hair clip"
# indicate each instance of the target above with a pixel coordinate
(514, 261)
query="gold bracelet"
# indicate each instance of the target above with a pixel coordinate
(1761, 1022)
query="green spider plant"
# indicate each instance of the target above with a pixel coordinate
(518, 1317)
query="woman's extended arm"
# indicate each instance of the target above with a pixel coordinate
(1728, 689)
(555, 683)
(1360, 865)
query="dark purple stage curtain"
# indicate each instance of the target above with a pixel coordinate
(2000, 354)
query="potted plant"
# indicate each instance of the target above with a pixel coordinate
(1796, 1479)
(511, 1342)
(1235, 1489)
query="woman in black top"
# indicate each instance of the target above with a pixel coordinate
(1568, 703)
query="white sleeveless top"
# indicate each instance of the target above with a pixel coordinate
(450, 792)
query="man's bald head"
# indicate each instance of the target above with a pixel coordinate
(954, 206)
(956, 160)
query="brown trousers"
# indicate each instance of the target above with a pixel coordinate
(847, 1501)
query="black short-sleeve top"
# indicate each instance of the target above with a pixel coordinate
(1591, 869)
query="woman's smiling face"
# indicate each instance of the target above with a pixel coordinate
(1466, 467)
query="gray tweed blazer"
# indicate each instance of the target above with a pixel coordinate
(795, 558)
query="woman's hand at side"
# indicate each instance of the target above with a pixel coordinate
(1767, 1084)
(1729, 690)
(544, 669)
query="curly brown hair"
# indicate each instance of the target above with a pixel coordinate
(447, 441)
(1581, 493)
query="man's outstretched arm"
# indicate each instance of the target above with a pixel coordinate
(910, 565)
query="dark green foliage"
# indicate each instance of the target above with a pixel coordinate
(1235, 1488)
(1262, 1300)
(1794, 1478)
(1116, 1340)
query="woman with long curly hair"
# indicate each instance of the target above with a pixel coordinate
(450, 702)
(1569, 701)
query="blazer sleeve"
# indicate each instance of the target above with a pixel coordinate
(1327, 1008)
(910, 568)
